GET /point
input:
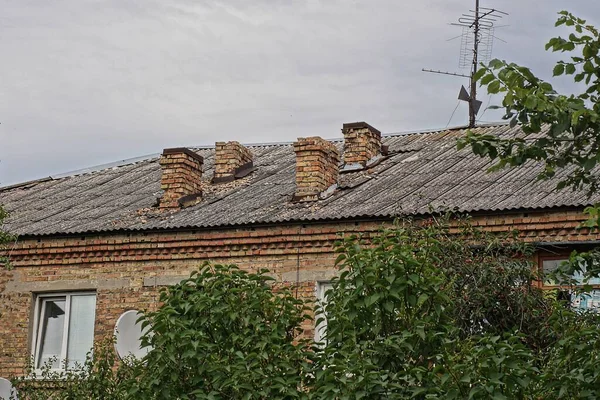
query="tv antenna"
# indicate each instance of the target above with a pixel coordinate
(477, 40)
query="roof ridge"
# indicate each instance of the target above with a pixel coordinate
(133, 160)
(82, 171)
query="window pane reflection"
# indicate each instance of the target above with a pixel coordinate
(53, 323)
(81, 329)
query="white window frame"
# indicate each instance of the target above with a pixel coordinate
(321, 288)
(37, 329)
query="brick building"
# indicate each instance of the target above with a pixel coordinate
(95, 244)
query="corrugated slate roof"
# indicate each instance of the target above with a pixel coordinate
(423, 170)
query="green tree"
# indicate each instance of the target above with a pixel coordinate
(561, 132)
(387, 316)
(558, 130)
(225, 333)
(430, 311)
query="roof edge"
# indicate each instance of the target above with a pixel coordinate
(358, 218)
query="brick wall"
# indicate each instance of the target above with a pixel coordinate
(128, 270)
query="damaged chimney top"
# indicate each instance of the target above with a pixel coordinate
(232, 160)
(362, 143)
(317, 168)
(181, 177)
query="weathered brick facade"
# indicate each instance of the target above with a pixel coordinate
(127, 270)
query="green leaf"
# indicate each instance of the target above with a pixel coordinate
(494, 87)
(480, 72)
(487, 79)
(531, 101)
(589, 164)
(496, 64)
(559, 69)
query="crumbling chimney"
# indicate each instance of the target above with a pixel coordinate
(317, 168)
(362, 143)
(232, 160)
(181, 177)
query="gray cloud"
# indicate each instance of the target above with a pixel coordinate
(86, 82)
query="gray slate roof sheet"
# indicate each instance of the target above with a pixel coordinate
(423, 170)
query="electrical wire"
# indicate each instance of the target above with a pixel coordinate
(485, 109)
(455, 108)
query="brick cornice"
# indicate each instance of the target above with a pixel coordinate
(251, 242)
(168, 246)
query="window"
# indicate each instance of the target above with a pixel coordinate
(550, 264)
(63, 329)
(322, 288)
(584, 301)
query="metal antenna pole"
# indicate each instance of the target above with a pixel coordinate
(476, 45)
(474, 68)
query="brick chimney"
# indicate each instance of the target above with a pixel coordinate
(362, 143)
(317, 167)
(231, 160)
(181, 177)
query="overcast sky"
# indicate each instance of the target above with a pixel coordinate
(86, 82)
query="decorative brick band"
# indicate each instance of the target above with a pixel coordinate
(547, 226)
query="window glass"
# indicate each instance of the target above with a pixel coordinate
(586, 301)
(52, 331)
(81, 328)
(322, 288)
(64, 330)
(550, 265)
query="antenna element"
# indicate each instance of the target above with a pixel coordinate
(477, 42)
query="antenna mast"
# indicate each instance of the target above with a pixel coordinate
(476, 45)
(473, 96)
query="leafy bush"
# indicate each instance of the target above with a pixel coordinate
(224, 333)
(424, 309)
(97, 378)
